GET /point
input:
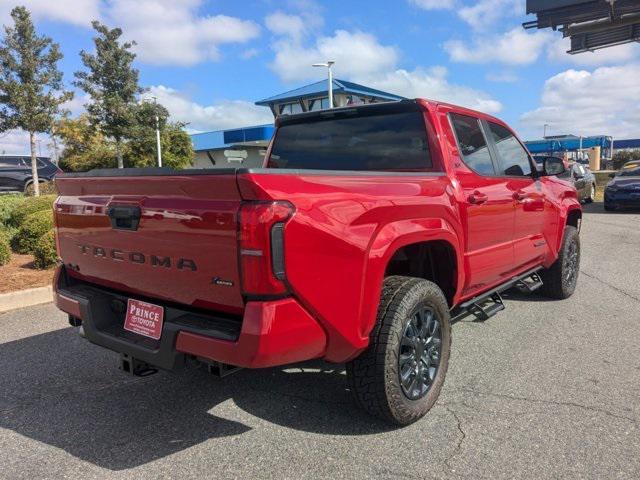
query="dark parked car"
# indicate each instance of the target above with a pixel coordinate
(580, 175)
(15, 172)
(624, 188)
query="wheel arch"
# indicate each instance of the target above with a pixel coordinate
(396, 239)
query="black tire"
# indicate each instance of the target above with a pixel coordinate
(609, 208)
(374, 376)
(560, 280)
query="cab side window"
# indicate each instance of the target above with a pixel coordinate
(472, 144)
(513, 159)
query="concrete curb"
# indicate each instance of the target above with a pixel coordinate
(25, 298)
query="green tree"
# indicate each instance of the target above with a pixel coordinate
(175, 143)
(85, 147)
(31, 87)
(112, 83)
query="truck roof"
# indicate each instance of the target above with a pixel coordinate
(384, 107)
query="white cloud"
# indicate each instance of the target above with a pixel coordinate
(280, 23)
(77, 12)
(515, 47)
(221, 115)
(433, 84)
(167, 32)
(485, 14)
(170, 32)
(603, 102)
(434, 4)
(557, 52)
(362, 58)
(355, 53)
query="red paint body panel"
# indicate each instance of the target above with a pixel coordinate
(337, 244)
(273, 333)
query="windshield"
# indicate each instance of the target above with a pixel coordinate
(386, 141)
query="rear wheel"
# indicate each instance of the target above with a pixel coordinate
(399, 376)
(560, 280)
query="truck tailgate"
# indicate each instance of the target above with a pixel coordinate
(183, 248)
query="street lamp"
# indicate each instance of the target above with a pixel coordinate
(158, 147)
(328, 65)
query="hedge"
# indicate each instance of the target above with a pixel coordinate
(44, 251)
(28, 206)
(7, 204)
(5, 251)
(8, 233)
(34, 226)
(46, 188)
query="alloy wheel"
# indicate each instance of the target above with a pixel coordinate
(420, 351)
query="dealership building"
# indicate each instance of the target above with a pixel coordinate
(246, 146)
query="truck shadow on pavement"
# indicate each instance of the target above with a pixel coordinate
(60, 390)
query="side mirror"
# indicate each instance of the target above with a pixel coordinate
(553, 166)
(611, 175)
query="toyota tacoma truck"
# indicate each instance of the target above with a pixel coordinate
(366, 234)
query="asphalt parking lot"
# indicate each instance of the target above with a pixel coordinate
(545, 389)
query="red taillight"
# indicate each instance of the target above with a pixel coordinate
(262, 247)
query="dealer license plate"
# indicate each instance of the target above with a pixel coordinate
(144, 318)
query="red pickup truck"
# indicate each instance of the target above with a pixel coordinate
(368, 232)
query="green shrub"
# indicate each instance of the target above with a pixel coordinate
(46, 188)
(44, 251)
(7, 204)
(7, 232)
(5, 251)
(28, 206)
(33, 227)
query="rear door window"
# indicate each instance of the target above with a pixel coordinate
(10, 162)
(381, 142)
(513, 159)
(472, 144)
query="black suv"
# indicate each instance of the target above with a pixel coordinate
(15, 172)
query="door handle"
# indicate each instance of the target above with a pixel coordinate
(478, 198)
(520, 196)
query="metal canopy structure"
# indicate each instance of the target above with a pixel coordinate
(591, 24)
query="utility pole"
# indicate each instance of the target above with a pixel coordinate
(158, 146)
(328, 65)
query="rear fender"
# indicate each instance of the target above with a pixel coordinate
(388, 240)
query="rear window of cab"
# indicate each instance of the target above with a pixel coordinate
(366, 139)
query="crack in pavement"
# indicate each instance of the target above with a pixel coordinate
(617, 289)
(635, 421)
(461, 439)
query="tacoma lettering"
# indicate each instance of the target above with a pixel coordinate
(137, 257)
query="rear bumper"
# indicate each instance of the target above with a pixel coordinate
(270, 333)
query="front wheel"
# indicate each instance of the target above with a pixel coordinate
(399, 376)
(560, 280)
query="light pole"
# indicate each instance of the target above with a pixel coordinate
(158, 147)
(328, 65)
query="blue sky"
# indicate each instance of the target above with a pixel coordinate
(208, 61)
